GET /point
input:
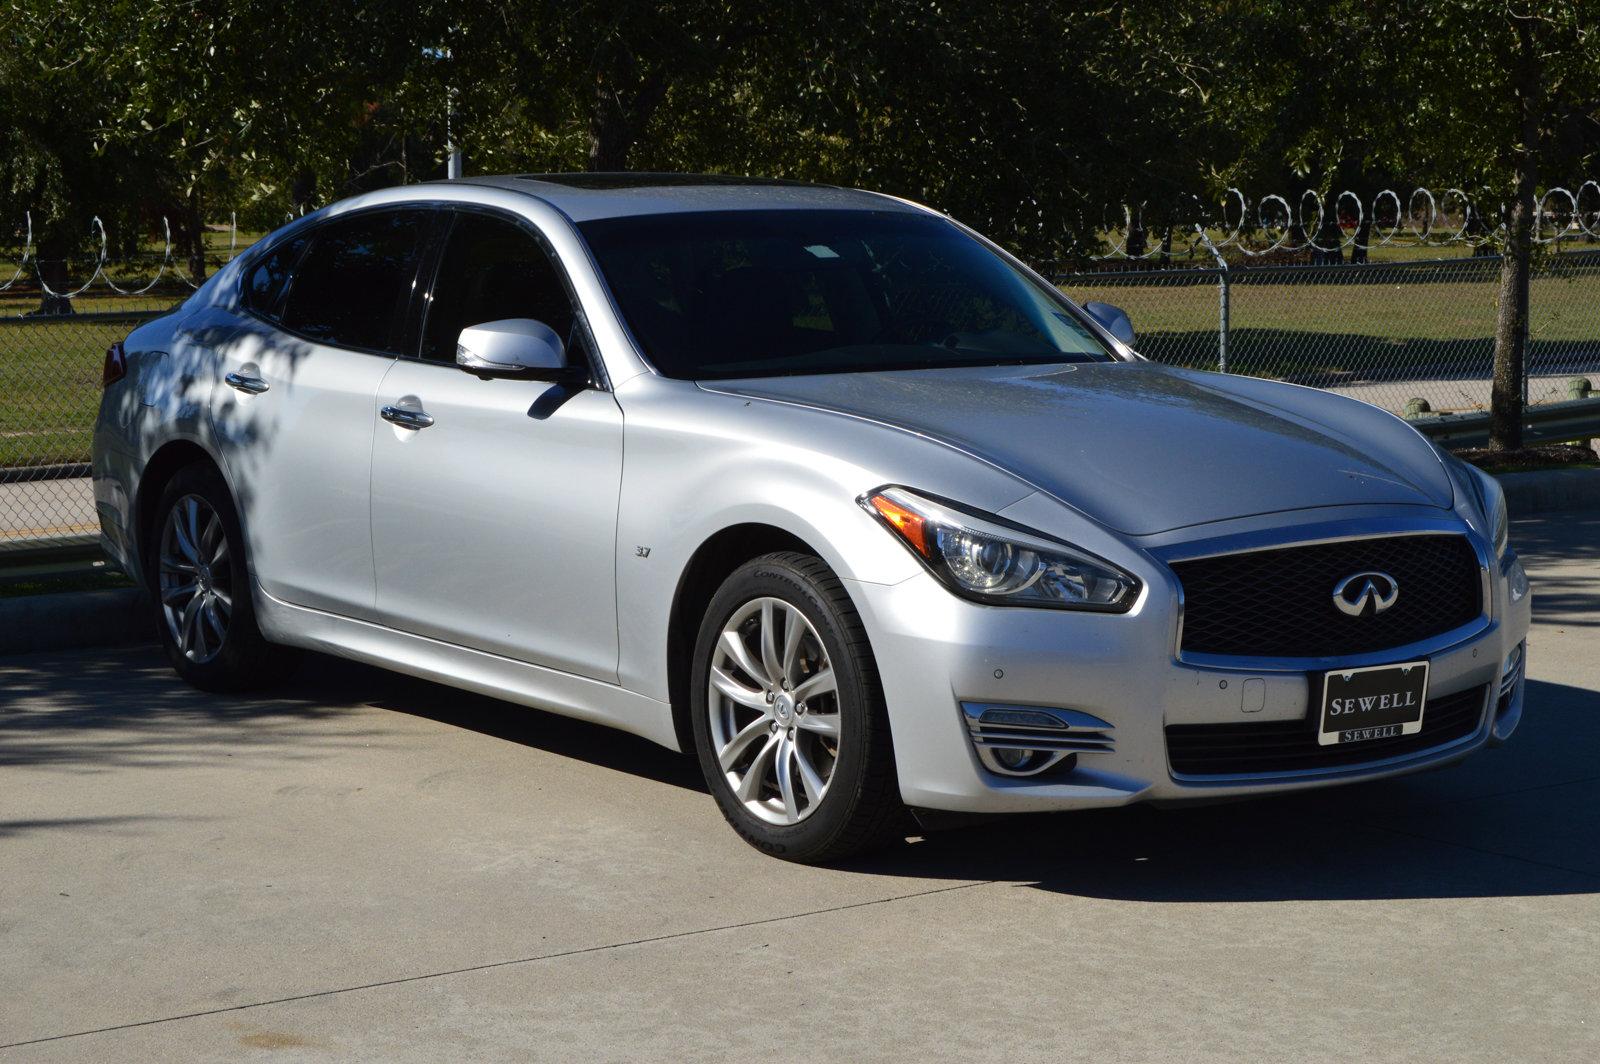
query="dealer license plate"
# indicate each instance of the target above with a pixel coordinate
(1378, 702)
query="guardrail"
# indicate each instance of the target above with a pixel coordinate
(1576, 419)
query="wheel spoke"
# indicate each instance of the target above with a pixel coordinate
(172, 595)
(792, 634)
(219, 557)
(820, 683)
(189, 628)
(814, 786)
(820, 723)
(785, 761)
(218, 628)
(224, 600)
(733, 645)
(749, 788)
(738, 692)
(186, 545)
(731, 753)
(212, 533)
(769, 641)
(191, 524)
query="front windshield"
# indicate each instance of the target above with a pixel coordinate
(728, 294)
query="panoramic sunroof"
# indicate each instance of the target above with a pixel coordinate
(644, 180)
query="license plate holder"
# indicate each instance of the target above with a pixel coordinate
(1375, 702)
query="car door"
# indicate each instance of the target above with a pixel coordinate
(494, 501)
(328, 312)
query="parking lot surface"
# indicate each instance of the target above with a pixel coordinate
(364, 867)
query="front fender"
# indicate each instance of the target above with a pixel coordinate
(697, 463)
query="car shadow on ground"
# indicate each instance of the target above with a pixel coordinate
(1523, 819)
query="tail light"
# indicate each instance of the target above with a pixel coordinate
(115, 366)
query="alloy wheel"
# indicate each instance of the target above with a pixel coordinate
(774, 711)
(195, 579)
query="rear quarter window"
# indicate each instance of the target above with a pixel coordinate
(265, 283)
(353, 286)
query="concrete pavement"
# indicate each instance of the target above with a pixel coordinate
(363, 867)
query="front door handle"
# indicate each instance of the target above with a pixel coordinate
(244, 383)
(406, 419)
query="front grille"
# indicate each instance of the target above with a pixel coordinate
(1279, 746)
(1279, 603)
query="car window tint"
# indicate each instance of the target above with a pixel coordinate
(267, 279)
(354, 285)
(492, 270)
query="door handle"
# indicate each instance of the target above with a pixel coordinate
(406, 419)
(252, 385)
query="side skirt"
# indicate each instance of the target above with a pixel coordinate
(465, 668)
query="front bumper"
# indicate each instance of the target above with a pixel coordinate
(936, 651)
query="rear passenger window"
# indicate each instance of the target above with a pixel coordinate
(353, 287)
(264, 286)
(492, 269)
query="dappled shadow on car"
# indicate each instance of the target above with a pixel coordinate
(1523, 819)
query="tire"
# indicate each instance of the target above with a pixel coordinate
(214, 643)
(787, 728)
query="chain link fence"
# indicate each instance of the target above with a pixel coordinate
(1389, 333)
(50, 367)
(1386, 332)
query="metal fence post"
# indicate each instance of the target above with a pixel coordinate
(1222, 297)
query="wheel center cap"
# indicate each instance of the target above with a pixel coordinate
(783, 707)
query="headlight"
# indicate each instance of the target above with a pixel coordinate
(987, 561)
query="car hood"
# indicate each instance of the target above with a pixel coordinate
(1140, 447)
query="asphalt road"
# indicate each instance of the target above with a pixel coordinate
(369, 868)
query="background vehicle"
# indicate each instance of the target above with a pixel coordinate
(813, 481)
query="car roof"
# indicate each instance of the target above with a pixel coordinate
(589, 196)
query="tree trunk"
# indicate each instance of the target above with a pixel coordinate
(609, 135)
(52, 266)
(1359, 247)
(196, 242)
(1511, 318)
(618, 119)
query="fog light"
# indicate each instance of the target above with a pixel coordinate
(1033, 740)
(1517, 580)
(1014, 760)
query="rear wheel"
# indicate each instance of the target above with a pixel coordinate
(201, 586)
(789, 721)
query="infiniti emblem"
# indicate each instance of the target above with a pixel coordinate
(1356, 592)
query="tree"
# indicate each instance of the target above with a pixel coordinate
(1491, 94)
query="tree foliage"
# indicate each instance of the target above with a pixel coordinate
(1036, 122)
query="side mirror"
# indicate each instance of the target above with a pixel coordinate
(1115, 320)
(514, 347)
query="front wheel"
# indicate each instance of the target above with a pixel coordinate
(788, 712)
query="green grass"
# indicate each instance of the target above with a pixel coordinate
(50, 387)
(50, 585)
(1318, 325)
(1306, 328)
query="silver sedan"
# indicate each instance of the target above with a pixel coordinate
(816, 483)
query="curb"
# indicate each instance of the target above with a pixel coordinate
(1548, 491)
(70, 619)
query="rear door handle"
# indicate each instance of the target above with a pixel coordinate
(406, 419)
(252, 385)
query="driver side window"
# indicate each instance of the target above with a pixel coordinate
(492, 269)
